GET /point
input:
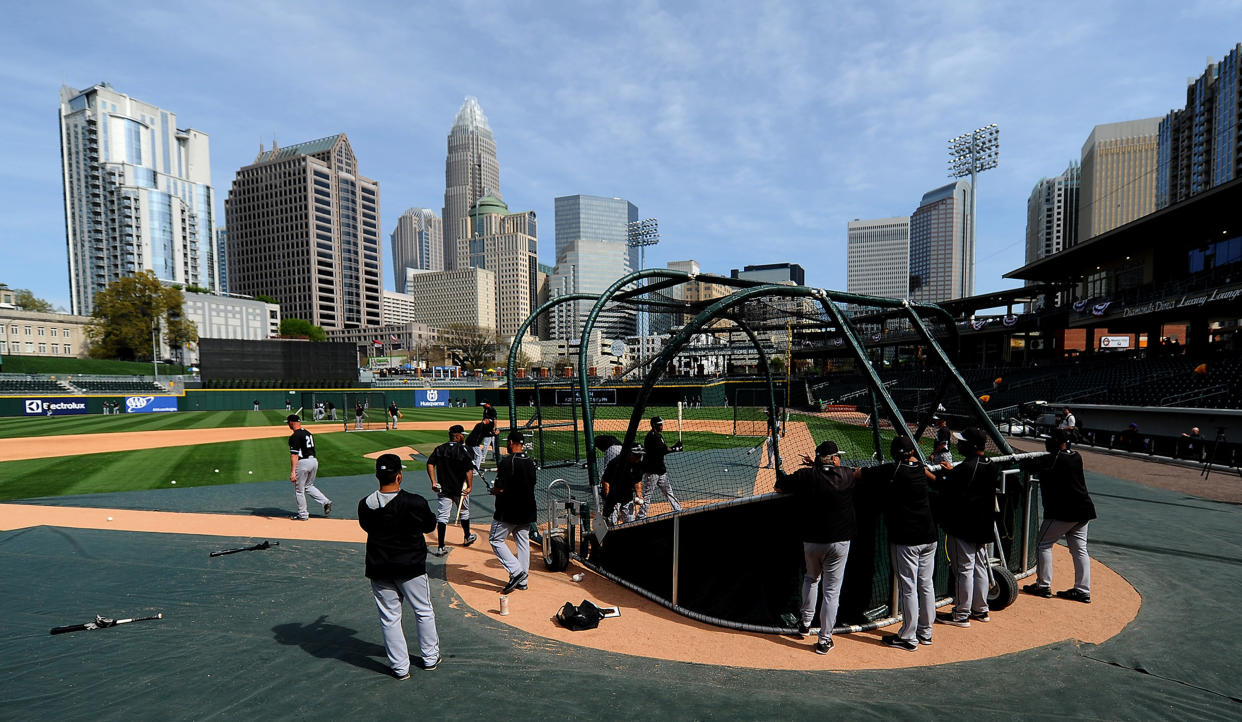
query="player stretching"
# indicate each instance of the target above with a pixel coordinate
(304, 468)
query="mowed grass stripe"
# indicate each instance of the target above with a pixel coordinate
(339, 455)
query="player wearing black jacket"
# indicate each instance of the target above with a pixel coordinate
(654, 469)
(1067, 511)
(622, 483)
(451, 469)
(968, 496)
(912, 539)
(515, 511)
(824, 517)
(482, 431)
(396, 556)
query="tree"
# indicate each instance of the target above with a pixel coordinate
(27, 301)
(266, 299)
(297, 328)
(473, 345)
(129, 311)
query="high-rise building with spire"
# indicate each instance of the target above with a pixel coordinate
(471, 171)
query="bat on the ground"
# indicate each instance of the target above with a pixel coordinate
(256, 547)
(101, 623)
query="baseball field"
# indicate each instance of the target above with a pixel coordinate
(95, 525)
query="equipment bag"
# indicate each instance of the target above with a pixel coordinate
(583, 616)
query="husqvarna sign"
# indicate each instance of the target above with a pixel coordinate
(149, 404)
(431, 397)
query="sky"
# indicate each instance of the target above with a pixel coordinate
(753, 131)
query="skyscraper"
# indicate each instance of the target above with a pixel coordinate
(1052, 214)
(222, 258)
(506, 244)
(303, 228)
(595, 218)
(137, 193)
(941, 266)
(1199, 145)
(471, 171)
(417, 243)
(592, 234)
(1118, 175)
(878, 257)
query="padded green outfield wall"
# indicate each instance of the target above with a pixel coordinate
(16, 405)
(243, 399)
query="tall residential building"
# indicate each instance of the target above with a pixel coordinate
(941, 249)
(466, 296)
(1118, 175)
(692, 292)
(137, 192)
(417, 243)
(222, 258)
(878, 257)
(772, 273)
(1200, 146)
(595, 218)
(506, 244)
(589, 266)
(471, 171)
(303, 228)
(1052, 214)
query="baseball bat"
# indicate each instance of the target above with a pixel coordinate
(679, 421)
(256, 547)
(460, 499)
(101, 623)
(299, 412)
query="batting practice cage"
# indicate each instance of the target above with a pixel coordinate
(741, 358)
(315, 408)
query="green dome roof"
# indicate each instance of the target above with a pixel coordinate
(489, 204)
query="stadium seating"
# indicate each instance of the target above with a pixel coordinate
(137, 386)
(19, 387)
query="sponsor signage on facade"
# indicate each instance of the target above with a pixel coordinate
(431, 397)
(149, 404)
(54, 407)
(599, 397)
(1114, 342)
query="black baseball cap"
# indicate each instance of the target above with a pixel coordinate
(516, 437)
(901, 448)
(291, 418)
(456, 429)
(388, 462)
(974, 436)
(1058, 436)
(637, 450)
(827, 448)
(657, 420)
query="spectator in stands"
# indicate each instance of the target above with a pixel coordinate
(1193, 444)
(1069, 425)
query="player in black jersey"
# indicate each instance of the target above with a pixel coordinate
(304, 466)
(515, 511)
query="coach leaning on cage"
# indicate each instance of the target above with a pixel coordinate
(824, 516)
(903, 486)
(1067, 511)
(622, 484)
(969, 512)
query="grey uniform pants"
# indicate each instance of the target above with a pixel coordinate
(970, 578)
(769, 451)
(521, 536)
(827, 561)
(1075, 533)
(388, 597)
(444, 507)
(480, 454)
(917, 597)
(650, 482)
(308, 468)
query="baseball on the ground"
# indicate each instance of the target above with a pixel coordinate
(217, 471)
(109, 518)
(249, 472)
(174, 481)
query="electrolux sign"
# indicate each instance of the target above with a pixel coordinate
(431, 397)
(55, 407)
(149, 404)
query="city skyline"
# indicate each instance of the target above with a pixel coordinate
(755, 146)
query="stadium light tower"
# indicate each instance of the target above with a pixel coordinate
(641, 234)
(969, 155)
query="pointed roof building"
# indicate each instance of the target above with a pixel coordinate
(471, 171)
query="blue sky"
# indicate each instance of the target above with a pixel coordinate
(753, 131)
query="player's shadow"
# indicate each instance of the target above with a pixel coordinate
(267, 511)
(332, 641)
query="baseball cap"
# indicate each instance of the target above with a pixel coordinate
(637, 450)
(388, 462)
(657, 420)
(291, 418)
(901, 448)
(1058, 435)
(826, 448)
(973, 436)
(456, 429)
(516, 437)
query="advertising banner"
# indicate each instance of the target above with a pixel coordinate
(599, 397)
(1107, 342)
(431, 398)
(55, 407)
(149, 404)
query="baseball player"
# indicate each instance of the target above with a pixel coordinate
(622, 485)
(944, 438)
(359, 412)
(331, 411)
(655, 469)
(394, 413)
(288, 405)
(611, 446)
(912, 538)
(1067, 511)
(968, 503)
(489, 443)
(776, 429)
(515, 511)
(825, 521)
(484, 430)
(451, 469)
(304, 466)
(396, 563)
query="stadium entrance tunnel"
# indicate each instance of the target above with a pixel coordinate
(731, 556)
